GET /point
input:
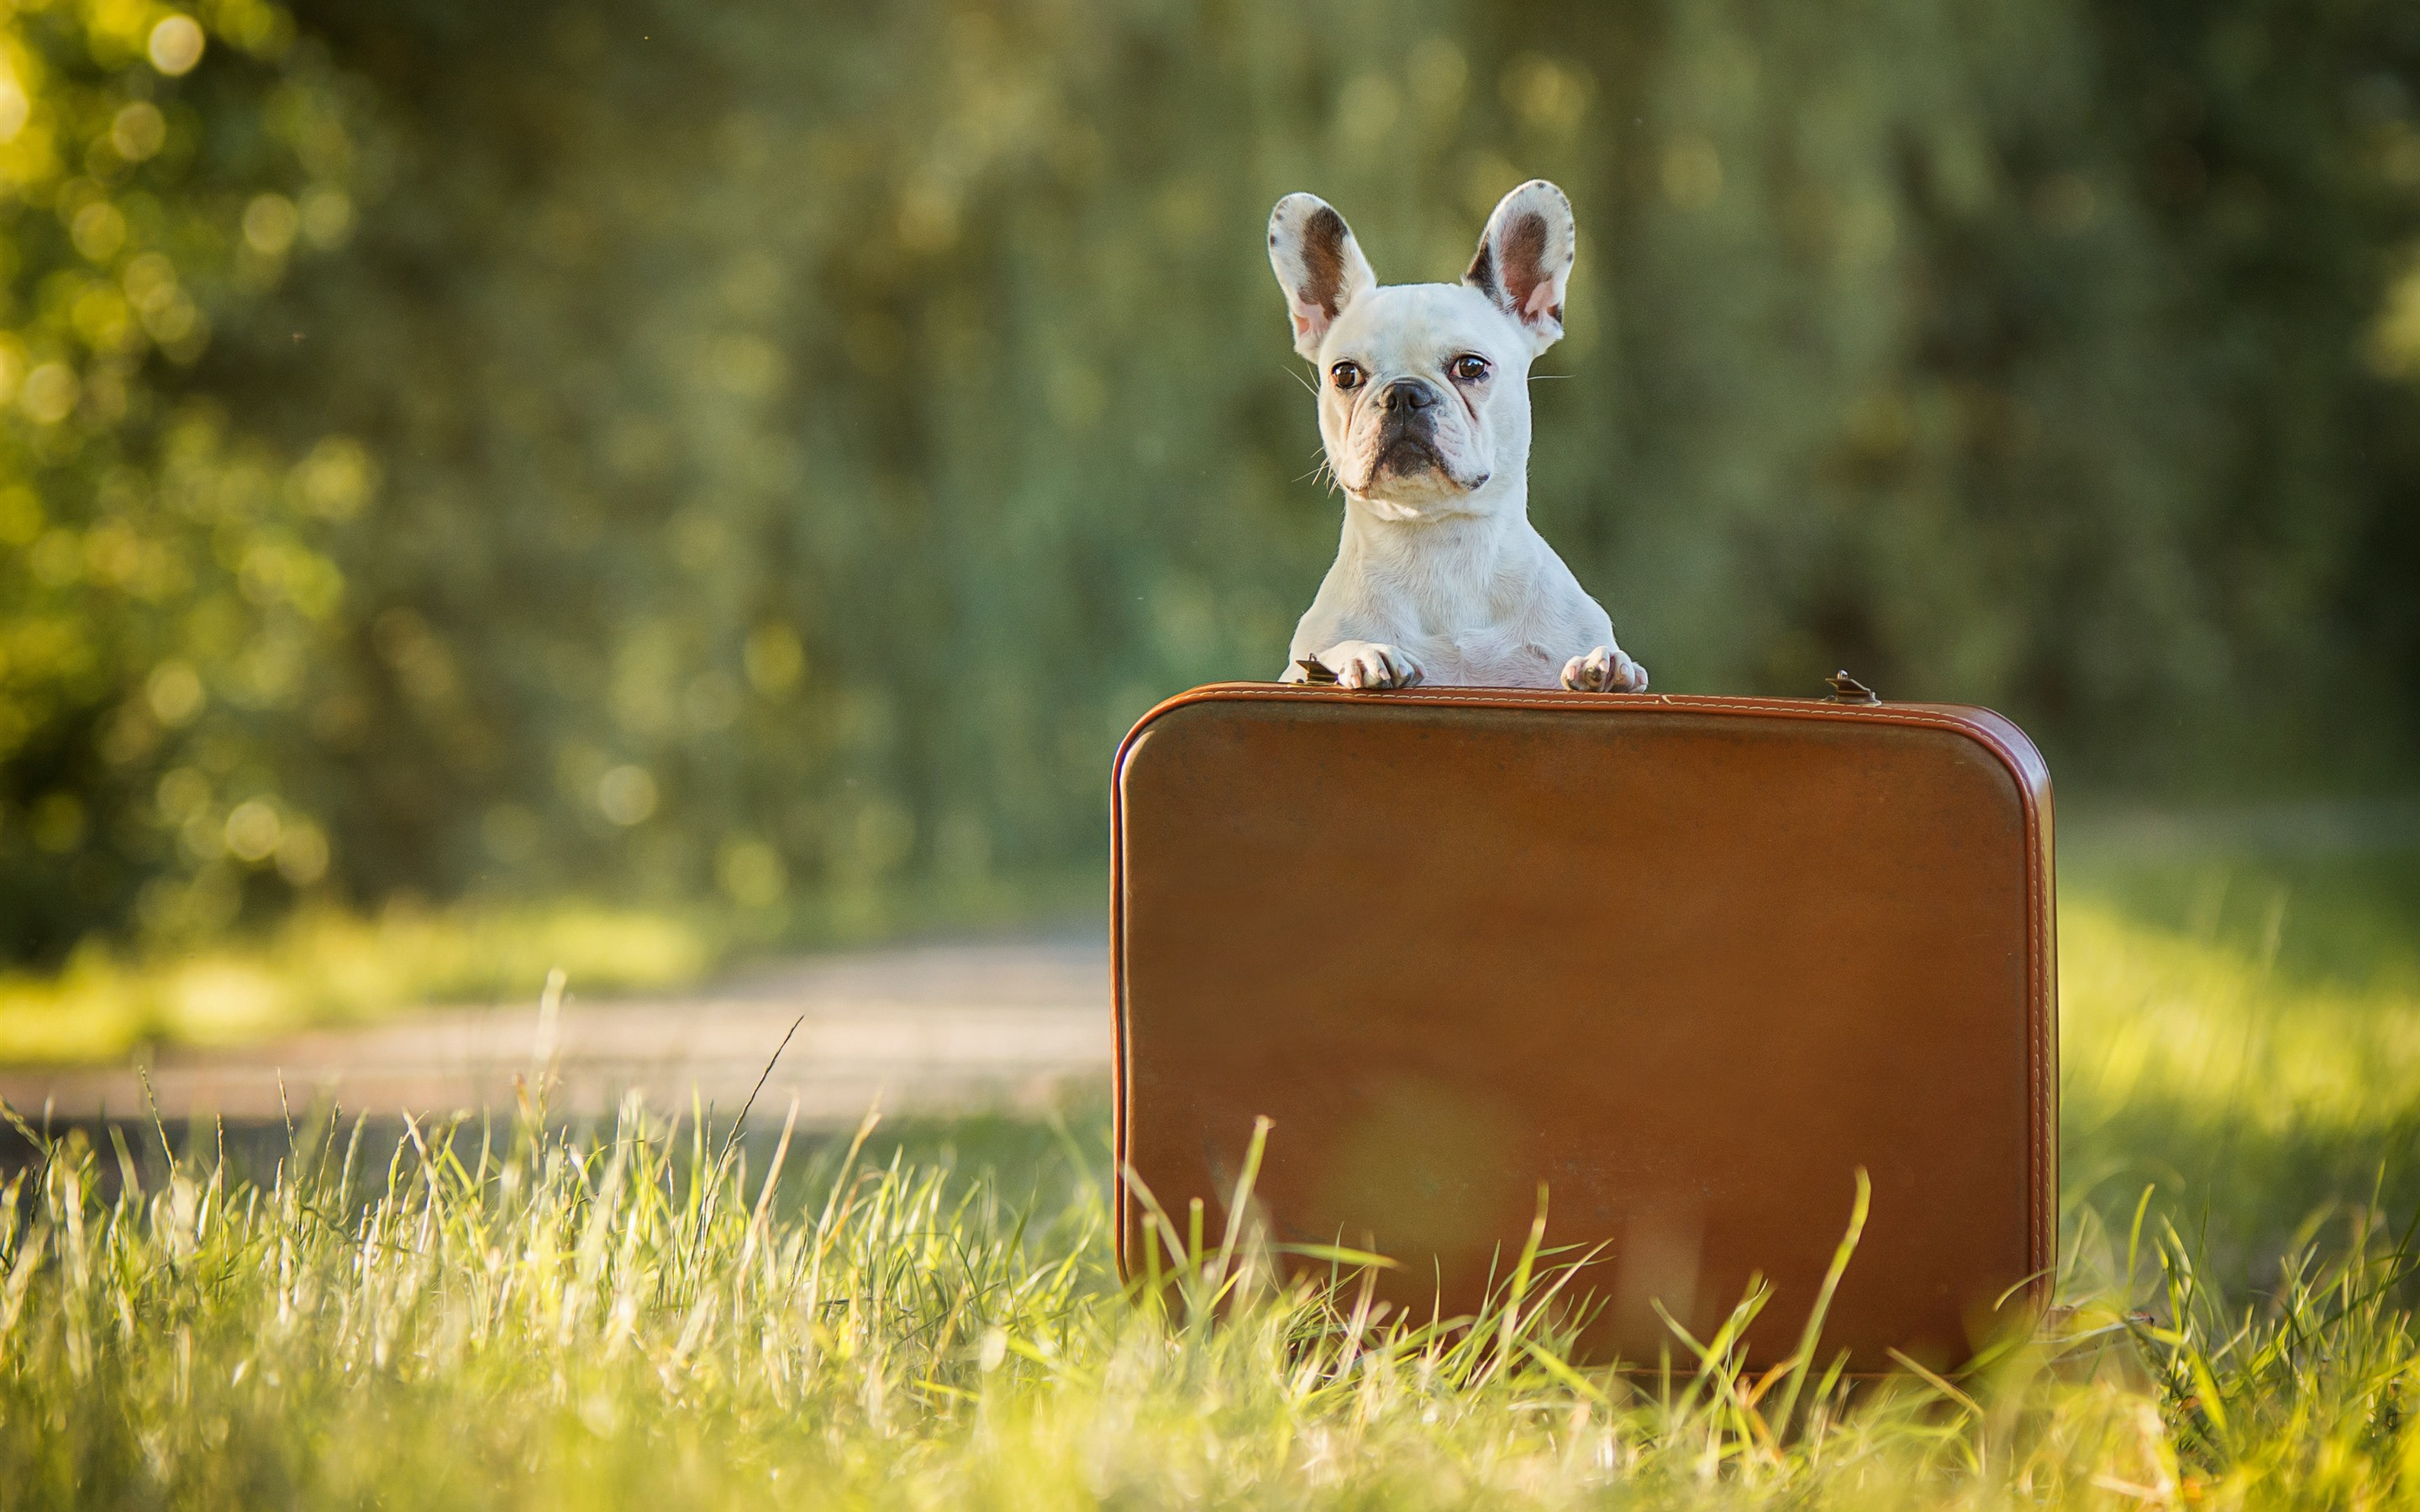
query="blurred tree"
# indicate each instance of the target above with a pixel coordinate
(164, 591)
(776, 450)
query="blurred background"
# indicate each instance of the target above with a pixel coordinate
(692, 478)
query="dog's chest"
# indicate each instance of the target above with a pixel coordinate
(1485, 659)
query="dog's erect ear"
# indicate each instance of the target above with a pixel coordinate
(1318, 264)
(1525, 259)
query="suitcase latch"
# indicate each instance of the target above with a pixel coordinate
(1847, 689)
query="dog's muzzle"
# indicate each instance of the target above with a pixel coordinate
(1408, 409)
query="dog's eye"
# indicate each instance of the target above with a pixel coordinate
(1469, 367)
(1347, 376)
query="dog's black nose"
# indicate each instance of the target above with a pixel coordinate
(1407, 397)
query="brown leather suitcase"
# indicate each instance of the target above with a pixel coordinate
(1692, 962)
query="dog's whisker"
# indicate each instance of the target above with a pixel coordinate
(1308, 386)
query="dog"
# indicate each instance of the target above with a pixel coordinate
(1424, 412)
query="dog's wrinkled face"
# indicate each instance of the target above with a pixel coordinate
(1423, 395)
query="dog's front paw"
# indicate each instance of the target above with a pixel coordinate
(1605, 670)
(1368, 664)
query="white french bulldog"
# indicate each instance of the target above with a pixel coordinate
(1424, 408)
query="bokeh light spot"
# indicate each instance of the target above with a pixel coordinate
(752, 873)
(774, 659)
(626, 795)
(1692, 173)
(175, 692)
(138, 132)
(270, 223)
(176, 45)
(50, 393)
(303, 852)
(253, 830)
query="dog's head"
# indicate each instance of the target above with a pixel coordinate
(1423, 388)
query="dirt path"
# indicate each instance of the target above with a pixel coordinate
(931, 1030)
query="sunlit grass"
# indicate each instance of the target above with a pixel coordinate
(659, 1314)
(2250, 1096)
(2156, 1017)
(645, 1317)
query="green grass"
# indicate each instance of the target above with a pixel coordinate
(2246, 1034)
(655, 1315)
(640, 1320)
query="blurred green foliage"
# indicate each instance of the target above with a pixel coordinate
(773, 451)
(165, 586)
